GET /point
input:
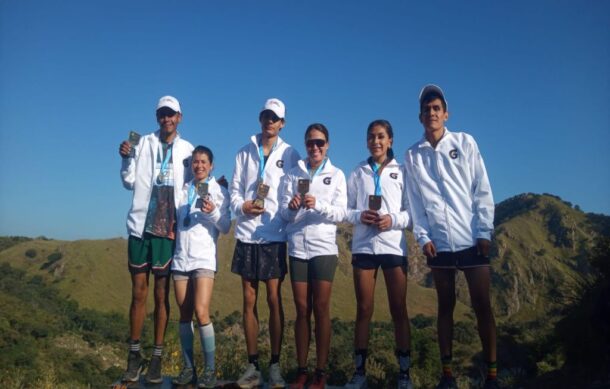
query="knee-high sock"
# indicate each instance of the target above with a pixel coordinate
(208, 344)
(186, 341)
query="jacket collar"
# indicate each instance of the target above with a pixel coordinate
(302, 164)
(425, 143)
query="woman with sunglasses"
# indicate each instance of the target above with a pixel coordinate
(376, 198)
(313, 199)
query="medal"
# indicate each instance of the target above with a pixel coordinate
(374, 202)
(303, 189)
(134, 139)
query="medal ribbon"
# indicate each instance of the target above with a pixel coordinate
(261, 155)
(165, 162)
(376, 176)
(318, 170)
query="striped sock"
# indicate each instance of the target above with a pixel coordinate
(186, 342)
(492, 370)
(134, 346)
(157, 350)
(446, 362)
(208, 344)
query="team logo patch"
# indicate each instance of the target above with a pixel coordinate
(326, 180)
(394, 175)
(280, 163)
(453, 154)
(185, 162)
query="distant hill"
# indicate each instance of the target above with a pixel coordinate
(541, 247)
(64, 305)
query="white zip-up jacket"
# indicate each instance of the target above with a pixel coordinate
(137, 175)
(196, 243)
(269, 226)
(312, 232)
(369, 239)
(449, 192)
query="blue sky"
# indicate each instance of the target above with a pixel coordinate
(529, 79)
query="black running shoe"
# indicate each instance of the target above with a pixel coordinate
(134, 367)
(153, 374)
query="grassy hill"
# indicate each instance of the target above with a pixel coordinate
(63, 308)
(94, 273)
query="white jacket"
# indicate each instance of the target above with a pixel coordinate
(369, 239)
(449, 192)
(137, 175)
(312, 232)
(268, 227)
(196, 244)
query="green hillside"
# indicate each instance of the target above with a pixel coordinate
(63, 308)
(94, 273)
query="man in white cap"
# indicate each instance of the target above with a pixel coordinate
(453, 211)
(260, 249)
(155, 169)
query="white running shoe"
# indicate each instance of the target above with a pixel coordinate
(251, 378)
(275, 376)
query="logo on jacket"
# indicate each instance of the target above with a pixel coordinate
(326, 180)
(453, 154)
(394, 175)
(280, 163)
(185, 162)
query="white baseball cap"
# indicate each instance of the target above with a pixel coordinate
(169, 102)
(276, 106)
(431, 88)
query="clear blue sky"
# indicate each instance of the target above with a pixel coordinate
(529, 79)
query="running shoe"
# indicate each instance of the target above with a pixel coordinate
(251, 378)
(153, 374)
(275, 376)
(134, 367)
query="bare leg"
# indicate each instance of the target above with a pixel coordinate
(183, 289)
(250, 314)
(444, 281)
(364, 284)
(203, 297)
(396, 283)
(302, 325)
(137, 309)
(276, 313)
(321, 303)
(161, 307)
(478, 279)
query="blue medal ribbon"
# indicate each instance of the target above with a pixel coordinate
(168, 155)
(261, 155)
(376, 177)
(318, 170)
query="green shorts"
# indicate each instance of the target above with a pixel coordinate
(320, 268)
(150, 253)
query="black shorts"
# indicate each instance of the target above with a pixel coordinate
(259, 261)
(374, 261)
(462, 259)
(320, 268)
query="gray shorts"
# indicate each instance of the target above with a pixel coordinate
(197, 273)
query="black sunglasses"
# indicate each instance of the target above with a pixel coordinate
(315, 142)
(165, 112)
(269, 115)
